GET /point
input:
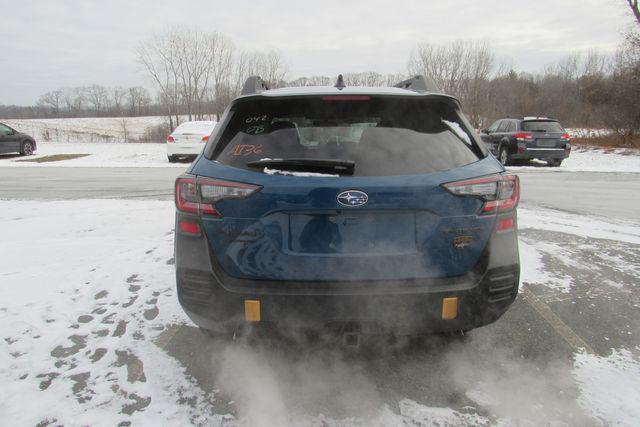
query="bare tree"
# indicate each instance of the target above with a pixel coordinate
(138, 98)
(118, 95)
(461, 68)
(160, 56)
(633, 4)
(98, 97)
(52, 100)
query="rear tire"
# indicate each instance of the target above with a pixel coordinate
(505, 156)
(26, 149)
(554, 163)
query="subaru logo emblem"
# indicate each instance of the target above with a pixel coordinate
(352, 198)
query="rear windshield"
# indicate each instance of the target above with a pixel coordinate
(542, 126)
(381, 136)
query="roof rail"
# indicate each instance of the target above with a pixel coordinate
(419, 83)
(254, 84)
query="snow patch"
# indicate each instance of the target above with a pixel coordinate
(294, 173)
(583, 159)
(457, 129)
(100, 155)
(609, 386)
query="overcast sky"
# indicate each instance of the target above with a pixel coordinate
(50, 44)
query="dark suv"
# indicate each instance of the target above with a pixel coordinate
(527, 138)
(355, 208)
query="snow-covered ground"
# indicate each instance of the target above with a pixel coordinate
(89, 129)
(154, 155)
(87, 286)
(100, 155)
(586, 159)
(587, 132)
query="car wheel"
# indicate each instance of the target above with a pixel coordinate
(172, 159)
(554, 163)
(505, 157)
(26, 149)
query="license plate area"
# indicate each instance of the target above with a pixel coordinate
(353, 233)
(546, 143)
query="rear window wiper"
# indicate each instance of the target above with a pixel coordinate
(342, 167)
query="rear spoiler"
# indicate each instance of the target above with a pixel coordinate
(254, 84)
(419, 84)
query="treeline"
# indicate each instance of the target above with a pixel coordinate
(196, 74)
(87, 101)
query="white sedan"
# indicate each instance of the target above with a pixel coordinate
(188, 139)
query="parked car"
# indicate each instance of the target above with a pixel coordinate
(364, 209)
(188, 139)
(12, 141)
(527, 138)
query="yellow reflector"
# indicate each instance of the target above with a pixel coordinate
(252, 310)
(449, 308)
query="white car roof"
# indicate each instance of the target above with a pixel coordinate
(203, 126)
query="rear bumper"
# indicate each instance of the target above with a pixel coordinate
(405, 307)
(542, 153)
(177, 149)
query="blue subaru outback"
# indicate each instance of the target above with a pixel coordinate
(325, 206)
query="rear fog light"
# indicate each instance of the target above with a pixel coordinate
(189, 227)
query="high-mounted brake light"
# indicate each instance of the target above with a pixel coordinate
(346, 98)
(500, 193)
(523, 136)
(170, 139)
(200, 195)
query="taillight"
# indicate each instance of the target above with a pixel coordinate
(200, 195)
(523, 136)
(205, 138)
(500, 193)
(565, 136)
(170, 139)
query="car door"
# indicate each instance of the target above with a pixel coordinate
(8, 140)
(488, 137)
(501, 133)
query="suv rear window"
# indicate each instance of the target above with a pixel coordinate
(382, 136)
(542, 126)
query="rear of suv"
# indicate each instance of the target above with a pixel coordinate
(332, 206)
(528, 138)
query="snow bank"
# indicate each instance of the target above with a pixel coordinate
(88, 129)
(587, 132)
(584, 159)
